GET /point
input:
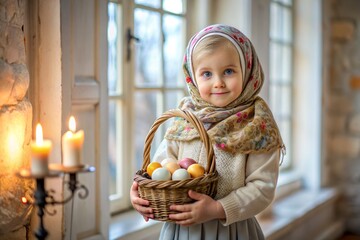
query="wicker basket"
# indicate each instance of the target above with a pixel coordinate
(162, 194)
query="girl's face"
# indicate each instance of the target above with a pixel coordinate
(218, 75)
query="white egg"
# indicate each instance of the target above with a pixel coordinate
(167, 160)
(180, 174)
(161, 174)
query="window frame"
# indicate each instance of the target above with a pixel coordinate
(279, 83)
(129, 89)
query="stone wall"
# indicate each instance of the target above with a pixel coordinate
(15, 123)
(342, 92)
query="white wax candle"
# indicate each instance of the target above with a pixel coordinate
(40, 150)
(72, 143)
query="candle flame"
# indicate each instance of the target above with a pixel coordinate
(24, 200)
(39, 134)
(72, 124)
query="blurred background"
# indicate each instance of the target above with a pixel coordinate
(117, 65)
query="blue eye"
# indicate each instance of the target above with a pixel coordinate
(228, 72)
(207, 74)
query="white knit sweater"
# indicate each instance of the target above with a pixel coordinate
(246, 182)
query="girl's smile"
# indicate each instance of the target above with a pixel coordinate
(221, 93)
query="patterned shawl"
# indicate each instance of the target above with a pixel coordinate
(246, 125)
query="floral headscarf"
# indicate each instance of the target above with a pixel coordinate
(246, 125)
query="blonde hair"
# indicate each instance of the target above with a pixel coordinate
(209, 45)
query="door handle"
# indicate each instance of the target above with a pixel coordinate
(130, 37)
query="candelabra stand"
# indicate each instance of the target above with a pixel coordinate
(44, 197)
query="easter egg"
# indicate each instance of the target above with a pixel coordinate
(172, 167)
(152, 166)
(161, 174)
(180, 174)
(196, 170)
(186, 162)
(167, 160)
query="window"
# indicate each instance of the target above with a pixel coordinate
(280, 70)
(144, 79)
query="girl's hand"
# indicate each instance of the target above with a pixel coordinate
(140, 205)
(203, 210)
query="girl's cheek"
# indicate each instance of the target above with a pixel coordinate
(203, 90)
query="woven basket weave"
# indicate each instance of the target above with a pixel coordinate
(162, 194)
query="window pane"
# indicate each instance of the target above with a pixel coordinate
(275, 59)
(172, 99)
(280, 23)
(275, 21)
(114, 49)
(114, 138)
(174, 31)
(285, 101)
(287, 22)
(175, 6)
(147, 110)
(286, 68)
(286, 2)
(148, 68)
(149, 3)
(280, 101)
(274, 100)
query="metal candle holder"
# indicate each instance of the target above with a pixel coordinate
(44, 197)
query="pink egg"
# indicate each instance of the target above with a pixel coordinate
(186, 162)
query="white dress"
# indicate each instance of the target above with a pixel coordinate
(246, 186)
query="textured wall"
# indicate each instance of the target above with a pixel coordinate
(15, 122)
(343, 111)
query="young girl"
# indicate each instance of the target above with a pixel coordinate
(224, 77)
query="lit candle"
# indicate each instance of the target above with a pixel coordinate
(72, 143)
(40, 150)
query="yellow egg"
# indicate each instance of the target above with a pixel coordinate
(151, 167)
(196, 170)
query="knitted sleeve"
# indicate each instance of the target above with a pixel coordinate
(166, 149)
(260, 183)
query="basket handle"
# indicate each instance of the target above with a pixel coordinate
(189, 116)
